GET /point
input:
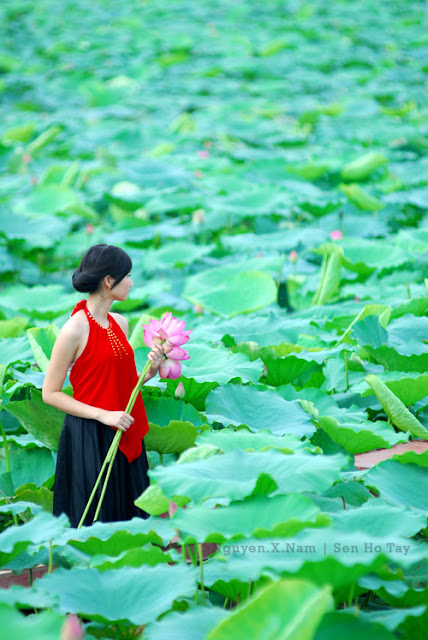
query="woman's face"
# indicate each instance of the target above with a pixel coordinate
(121, 290)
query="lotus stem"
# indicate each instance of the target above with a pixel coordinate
(50, 557)
(7, 460)
(346, 371)
(109, 469)
(201, 564)
(111, 453)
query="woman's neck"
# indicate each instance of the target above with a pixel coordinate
(98, 306)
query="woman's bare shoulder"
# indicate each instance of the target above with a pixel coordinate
(76, 326)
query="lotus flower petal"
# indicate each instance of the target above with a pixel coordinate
(170, 369)
(177, 353)
(177, 341)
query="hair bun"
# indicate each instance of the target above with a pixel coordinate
(84, 282)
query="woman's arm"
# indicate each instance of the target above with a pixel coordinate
(63, 354)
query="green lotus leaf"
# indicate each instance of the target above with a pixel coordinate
(47, 200)
(13, 328)
(379, 520)
(175, 437)
(361, 198)
(227, 440)
(153, 501)
(227, 292)
(392, 618)
(368, 331)
(174, 254)
(330, 273)
(150, 555)
(111, 538)
(41, 420)
(42, 528)
(41, 626)
(41, 301)
(218, 364)
(412, 457)
(29, 466)
(396, 411)
(245, 405)
(42, 341)
(145, 592)
(360, 437)
(292, 610)
(16, 350)
(363, 167)
(390, 358)
(236, 475)
(161, 411)
(380, 310)
(400, 484)
(192, 624)
(409, 388)
(281, 516)
(340, 624)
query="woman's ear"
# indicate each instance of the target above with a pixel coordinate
(108, 281)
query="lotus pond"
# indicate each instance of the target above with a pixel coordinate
(265, 164)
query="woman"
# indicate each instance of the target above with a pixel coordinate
(103, 375)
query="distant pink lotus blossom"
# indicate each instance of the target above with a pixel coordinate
(336, 234)
(293, 256)
(168, 332)
(203, 154)
(198, 216)
(72, 629)
(172, 506)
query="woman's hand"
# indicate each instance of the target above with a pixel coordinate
(118, 419)
(155, 356)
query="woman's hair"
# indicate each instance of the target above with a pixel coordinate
(99, 261)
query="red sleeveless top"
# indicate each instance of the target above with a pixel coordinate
(104, 376)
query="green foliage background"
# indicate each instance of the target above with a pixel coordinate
(265, 164)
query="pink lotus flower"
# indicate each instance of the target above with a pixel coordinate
(168, 332)
(293, 256)
(336, 235)
(72, 629)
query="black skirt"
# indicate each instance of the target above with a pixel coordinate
(83, 445)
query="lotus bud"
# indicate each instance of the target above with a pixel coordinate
(180, 391)
(203, 154)
(72, 629)
(198, 216)
(89, 229)
(336, 234)
(197, 308)
(293, 256)
(172, 506)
